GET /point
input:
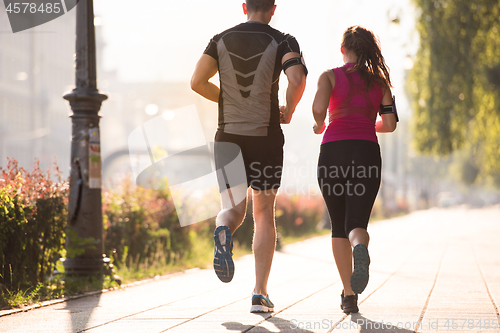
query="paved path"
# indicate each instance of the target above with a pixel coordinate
(431, 271)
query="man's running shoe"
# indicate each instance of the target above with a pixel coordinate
(349, 304)
(223, 256)
(359, 277)
(261, 304)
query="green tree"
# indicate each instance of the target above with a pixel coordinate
(455, 83)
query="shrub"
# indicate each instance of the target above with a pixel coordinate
(140, 225)
(32, 222)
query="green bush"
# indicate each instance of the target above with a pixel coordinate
(32, 223)
(140, 225)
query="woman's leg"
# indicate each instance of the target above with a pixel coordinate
(359, 236)
(365, 182)
(365, 189)
(342, 254)
(333, 190)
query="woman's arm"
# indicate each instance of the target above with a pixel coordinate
(388, 123)
(321, 100)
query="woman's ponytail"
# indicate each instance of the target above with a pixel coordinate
(371, 64)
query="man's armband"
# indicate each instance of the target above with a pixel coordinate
(385, 109)
(295, 61)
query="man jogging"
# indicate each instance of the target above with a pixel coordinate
(249, 58)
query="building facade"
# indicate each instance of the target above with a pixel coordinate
(36, 68)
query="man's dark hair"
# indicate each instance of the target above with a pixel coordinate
(259, 5)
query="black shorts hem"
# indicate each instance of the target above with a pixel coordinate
(260, 154)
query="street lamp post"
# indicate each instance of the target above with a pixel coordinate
(85, 233)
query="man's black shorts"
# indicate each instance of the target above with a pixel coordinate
(262, 156)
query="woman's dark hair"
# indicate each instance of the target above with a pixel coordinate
(371, 64)
(259, 5)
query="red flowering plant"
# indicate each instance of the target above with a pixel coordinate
(32, 222)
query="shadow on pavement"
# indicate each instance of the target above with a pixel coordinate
(366, 325)
(282, 325)
(81, 310)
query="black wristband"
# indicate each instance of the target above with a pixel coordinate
(293, 62)
(385, 109)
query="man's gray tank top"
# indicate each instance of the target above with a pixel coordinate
(249, 61)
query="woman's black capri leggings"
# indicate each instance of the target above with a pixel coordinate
(349, 173)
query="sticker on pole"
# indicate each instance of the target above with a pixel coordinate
(170, 151)
(94, 159)
(24, 15)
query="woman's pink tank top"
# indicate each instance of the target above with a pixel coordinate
(352, 110)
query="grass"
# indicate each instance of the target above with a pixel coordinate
(201, 256)
(21, 298)
(56, 288)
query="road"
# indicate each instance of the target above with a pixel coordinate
(431, 271)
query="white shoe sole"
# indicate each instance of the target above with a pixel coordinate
(260, 309)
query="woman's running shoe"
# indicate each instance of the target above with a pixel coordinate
(349, 304)
(359, 277)
(223, 255)
(261, 304)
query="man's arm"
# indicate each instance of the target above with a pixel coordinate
(296, 86)
(205, 69)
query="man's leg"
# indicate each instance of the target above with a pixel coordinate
(228, 220)
(233, 212)
(264, 240)
(227, 148)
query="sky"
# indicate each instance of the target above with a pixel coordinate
(163, 39)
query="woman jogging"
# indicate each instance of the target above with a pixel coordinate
(349, 166)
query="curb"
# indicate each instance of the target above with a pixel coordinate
(4, 313)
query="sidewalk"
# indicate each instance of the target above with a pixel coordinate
(431, 271)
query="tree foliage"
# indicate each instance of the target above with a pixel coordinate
(455, 83)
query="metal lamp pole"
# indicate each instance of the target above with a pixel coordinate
(85, 235)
